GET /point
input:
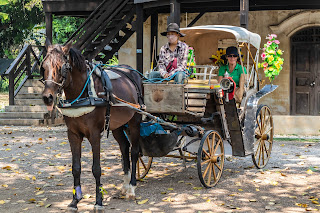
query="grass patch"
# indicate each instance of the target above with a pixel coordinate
(297, 139)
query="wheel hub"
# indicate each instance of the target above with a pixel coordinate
(215, 159)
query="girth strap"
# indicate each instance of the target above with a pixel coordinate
(138, 89)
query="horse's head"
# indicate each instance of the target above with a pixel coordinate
(55, 69)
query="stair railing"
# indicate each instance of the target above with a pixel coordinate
(25, 66)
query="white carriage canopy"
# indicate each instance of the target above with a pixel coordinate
(207, 39)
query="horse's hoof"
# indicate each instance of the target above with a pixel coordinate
(124, 191)
(130, 196)
(98, 209)
(72, 209)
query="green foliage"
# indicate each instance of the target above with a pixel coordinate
(63, 27)
(23, 16)
(4, 85)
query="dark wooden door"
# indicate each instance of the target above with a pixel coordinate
(305, 83)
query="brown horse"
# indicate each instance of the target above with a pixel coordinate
(91, 125)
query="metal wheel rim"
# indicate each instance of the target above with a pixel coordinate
(143, 166)
(210, 161)
(263, 137)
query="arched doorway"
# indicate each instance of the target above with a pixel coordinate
(305, 72)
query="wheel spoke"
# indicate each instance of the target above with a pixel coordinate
(209, 147)
(218, 166)
(257, 141)
(267, 150)
(205, 152)
(204, 162)
(143, 164)
(260, 150)
(206, 170)
(213, 142)
(268, 130)
(210, 173)
(218, 143)
(259, 124)
(214, 174)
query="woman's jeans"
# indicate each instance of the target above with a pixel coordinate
(178, 78)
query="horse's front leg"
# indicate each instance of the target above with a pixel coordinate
(96, 168)
(134, 126)
(75, 145)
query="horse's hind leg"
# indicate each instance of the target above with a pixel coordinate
(124, 144)
(134, 125)
(75, 144)
(96, 168)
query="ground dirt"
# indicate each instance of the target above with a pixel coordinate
(4, 100)
(35, 176)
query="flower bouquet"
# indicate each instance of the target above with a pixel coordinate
(271, 57)
(220, 58)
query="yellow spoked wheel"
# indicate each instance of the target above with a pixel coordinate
(263, 137)
(143, 166)
(210, 158)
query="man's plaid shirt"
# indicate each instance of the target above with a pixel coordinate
(166, 56)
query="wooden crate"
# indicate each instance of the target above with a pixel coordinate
(164, 98)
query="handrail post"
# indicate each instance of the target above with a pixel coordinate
(11, 88)
(28, 62)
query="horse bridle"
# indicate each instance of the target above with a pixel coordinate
(65, 68)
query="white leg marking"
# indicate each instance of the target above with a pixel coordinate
(126, 181)
(130, 192)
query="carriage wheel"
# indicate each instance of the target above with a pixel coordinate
(143, 166)
(210, 159)
(263, 137)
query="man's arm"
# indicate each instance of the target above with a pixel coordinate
(161, 65)
(182, 64)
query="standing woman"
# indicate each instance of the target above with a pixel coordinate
(235, 72)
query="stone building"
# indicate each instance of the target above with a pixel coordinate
(297, 100)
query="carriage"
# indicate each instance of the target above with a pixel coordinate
(198, 119)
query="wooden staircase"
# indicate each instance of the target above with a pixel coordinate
(106, 29)
(29, 108)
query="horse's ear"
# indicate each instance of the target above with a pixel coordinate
(67, 47)
(47, 43)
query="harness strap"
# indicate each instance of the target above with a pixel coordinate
(139, 93)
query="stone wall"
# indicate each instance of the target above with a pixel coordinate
(260, 22)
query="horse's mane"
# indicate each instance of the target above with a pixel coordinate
(76, 58)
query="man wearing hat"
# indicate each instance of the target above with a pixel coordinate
(234, 70)
(173, 56)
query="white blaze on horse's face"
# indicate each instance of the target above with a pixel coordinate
(52, 74)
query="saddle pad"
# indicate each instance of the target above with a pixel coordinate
(112, 75)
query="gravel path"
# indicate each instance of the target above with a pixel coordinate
(35, 176)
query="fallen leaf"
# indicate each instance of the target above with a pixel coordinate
(253, 200)
(142, 201)
(48, 205)
(7, 167)
(27, 178)
(197, 188)
(170, 189)
(34, 178)
(309, 171)
(86, 196)
(163, 193)
(40, 192)
(315, 202)
(240, 190)
(32, 200)
(2, 202)
(5, 185)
